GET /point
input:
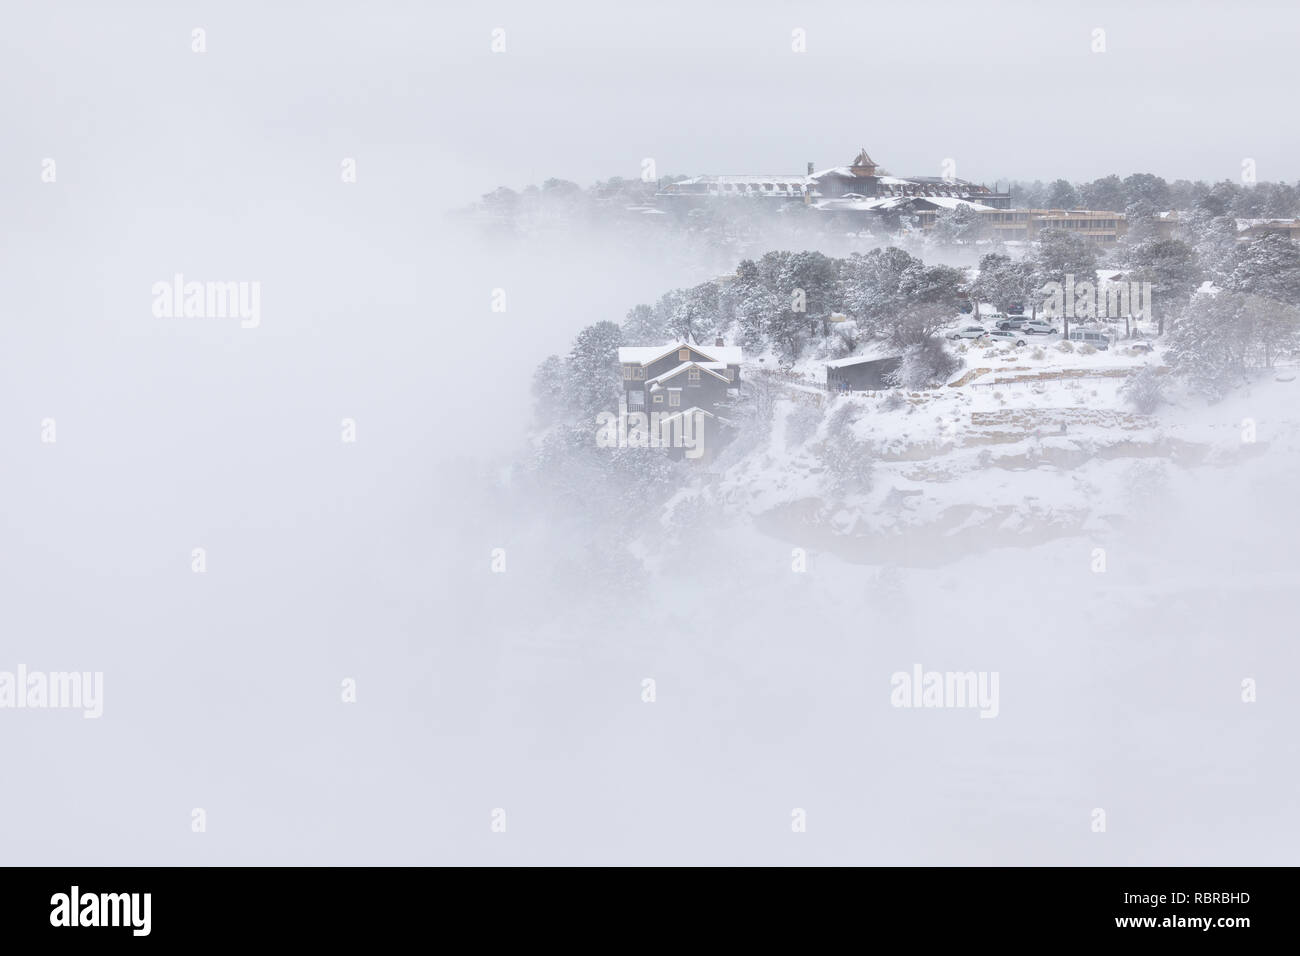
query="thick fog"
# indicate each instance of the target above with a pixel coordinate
(327, 560)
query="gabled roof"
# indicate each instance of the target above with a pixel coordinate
(647, 354)
(686, 411)
(668, 376)
(698, 411)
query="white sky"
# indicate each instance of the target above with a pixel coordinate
(587, 90)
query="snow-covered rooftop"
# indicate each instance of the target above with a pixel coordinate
(871, 352)
(951, 202)
(856, 360)
(848, 202)
(1244, 224)
(710, 367)
(832, 171)
(694, 409)
(895, 202)
(644, 354)
(760, 179)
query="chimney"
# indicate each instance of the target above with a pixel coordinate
(810, 169)
(718, 342)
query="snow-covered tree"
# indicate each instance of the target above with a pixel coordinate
(871, 285)
(594, 375)
(1171, 267)
(1140, 224)
(1104, 193)
(1270, 328)
(1005, 283)
(816, 279)
(1268, 267)
(1214, 237)
(925, 363)
(644, 325)
(940, 286)
(692, 313)
(1029, 195)
(754, 305)
(848, 459)
(1147, 188)
(1184, 194)
(1062, 195)
(1144, 390)
(1223, 337)
(1061, 254)
(550, 393)
(953, 227)
(607, 488)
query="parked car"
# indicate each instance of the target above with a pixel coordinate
(969, 332)
(1037, 328)
(1013, 323)
(1090, 337)
(1007, 335)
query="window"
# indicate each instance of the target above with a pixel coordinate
(674, 398)
(683, 355)
(627, 372)
(636, 398)
(693, 376)
(639, 372)
(659, 398)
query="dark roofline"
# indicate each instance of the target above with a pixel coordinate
(851, 361)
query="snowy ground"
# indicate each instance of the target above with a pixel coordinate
(1023, 444)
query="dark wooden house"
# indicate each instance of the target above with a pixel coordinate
(680, 375)
(683, 389)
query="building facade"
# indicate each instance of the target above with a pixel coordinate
(861, 179)
(683, 386)
(864, 190)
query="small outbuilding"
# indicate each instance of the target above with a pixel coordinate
(861, 373)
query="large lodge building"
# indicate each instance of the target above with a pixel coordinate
(862, 191)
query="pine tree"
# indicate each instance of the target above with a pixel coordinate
(1268, 267)
(1062, 195)
(550, 395)
(1170, 266)
(1062, 254)
(592, 370)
